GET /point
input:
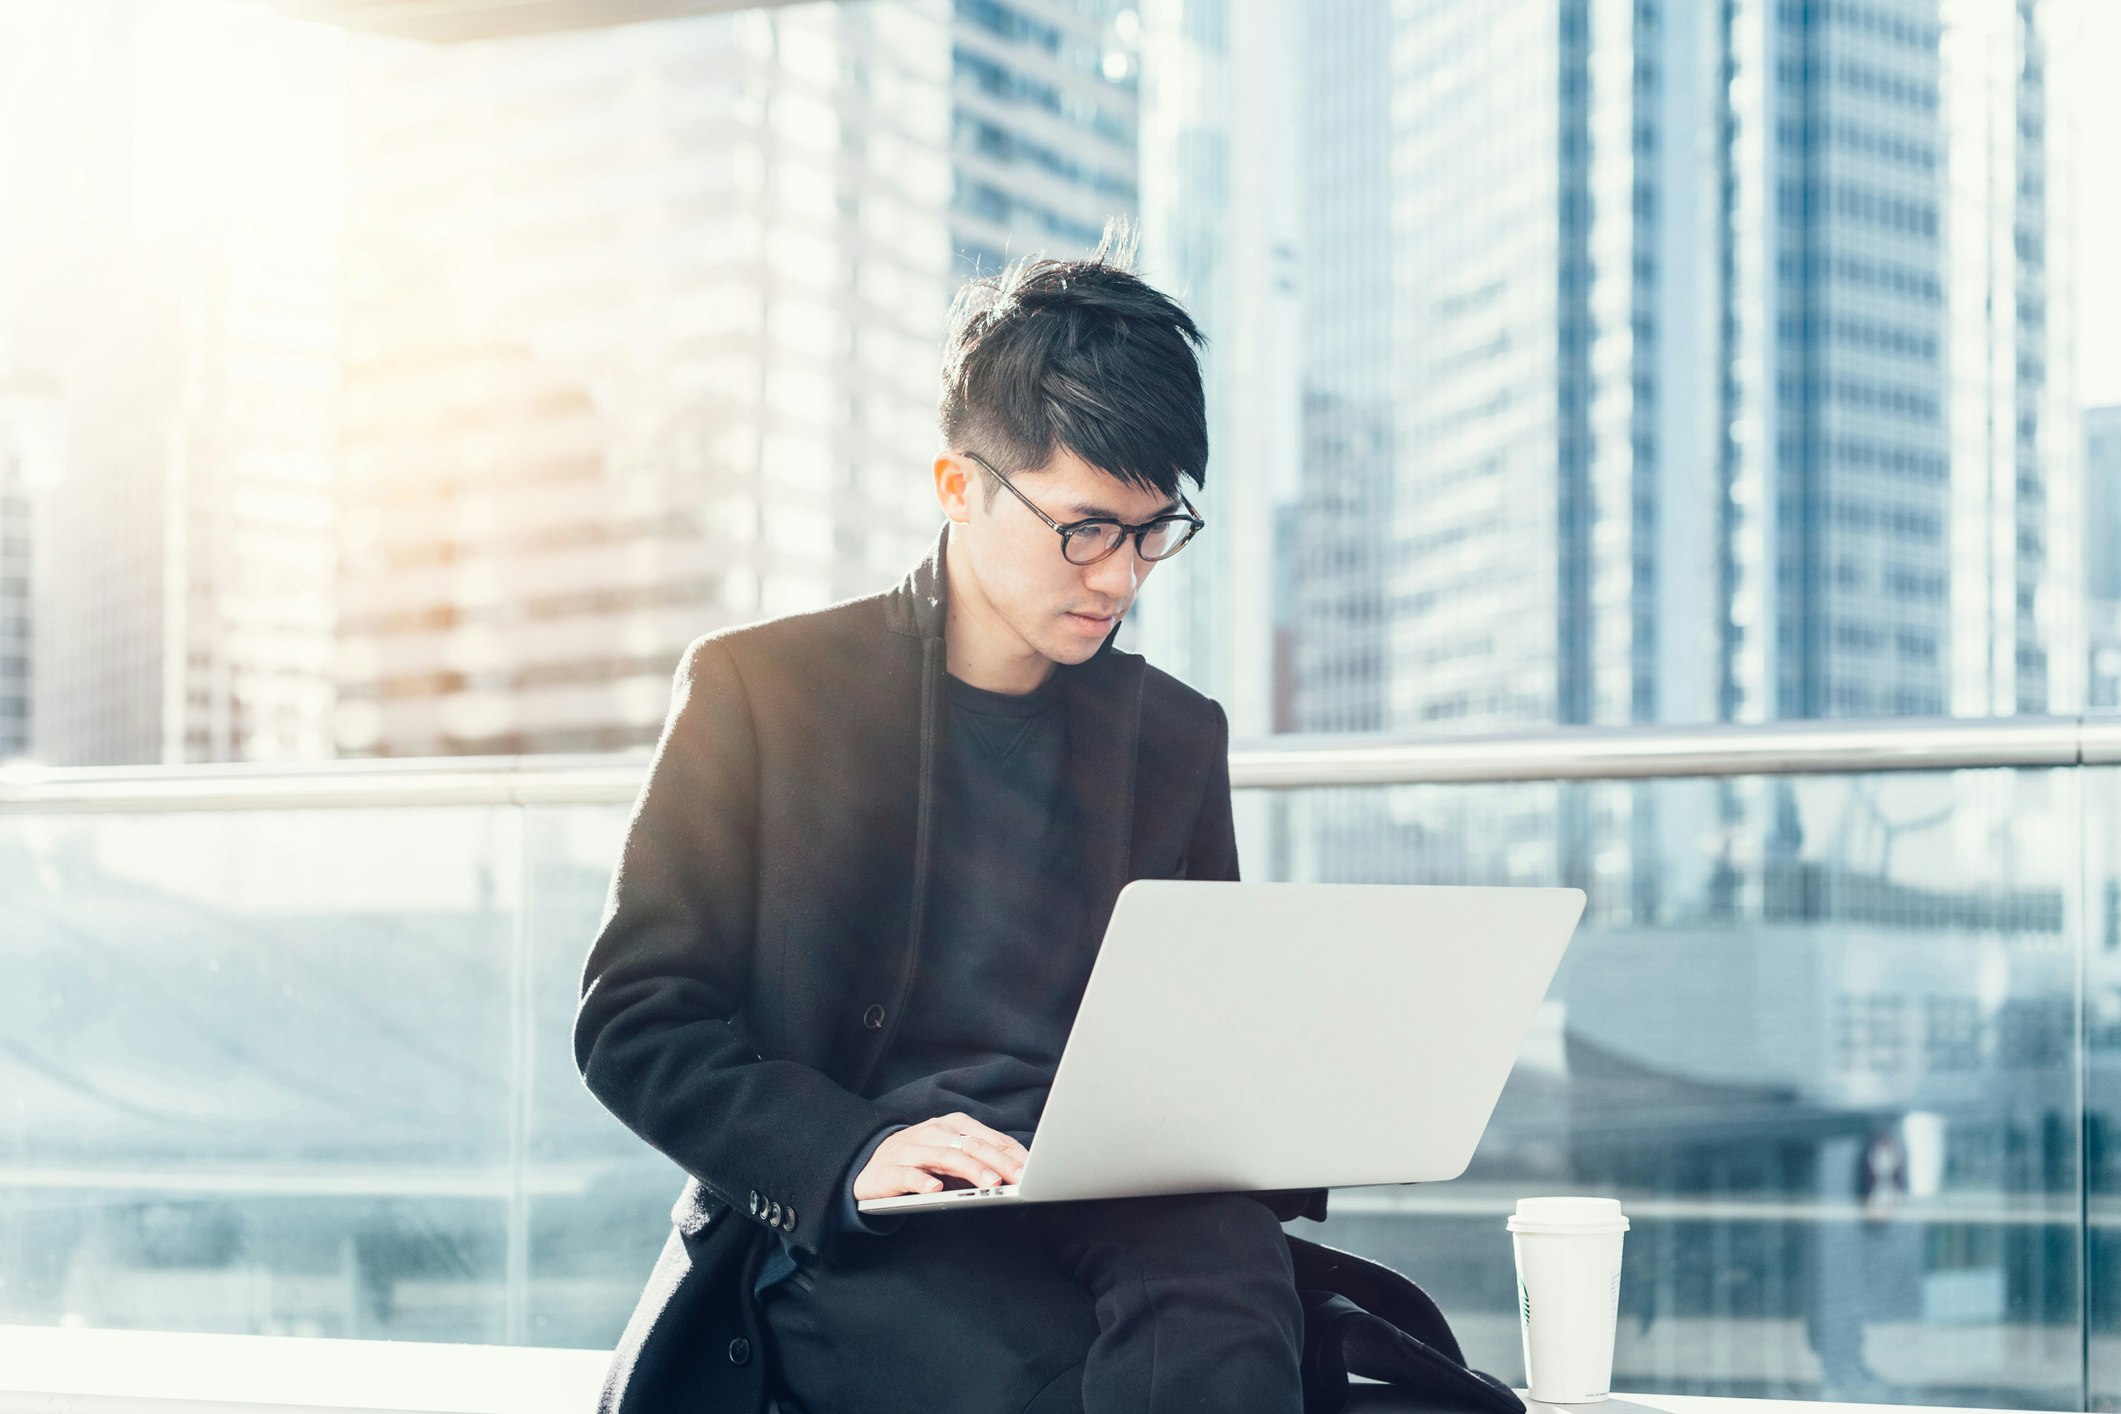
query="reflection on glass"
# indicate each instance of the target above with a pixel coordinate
(257, 1070)
(1818, 1035)
(312, 1072)
(2101, 943)
(600, 1196)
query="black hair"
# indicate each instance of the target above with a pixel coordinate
(1081, 354)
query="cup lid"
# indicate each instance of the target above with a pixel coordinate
(1568, 1215)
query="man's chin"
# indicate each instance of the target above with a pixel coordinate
(1070, 649)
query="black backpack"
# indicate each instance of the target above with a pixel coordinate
(1363, 1318)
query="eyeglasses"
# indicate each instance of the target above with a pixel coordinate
(1085, 542)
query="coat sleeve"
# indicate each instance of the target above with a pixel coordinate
(658, 1034)
(1212, 854)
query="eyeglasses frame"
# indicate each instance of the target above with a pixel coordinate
(1067, 532)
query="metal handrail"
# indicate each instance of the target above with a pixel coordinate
(1284, 762)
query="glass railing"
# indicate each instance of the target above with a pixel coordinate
(288, 1050)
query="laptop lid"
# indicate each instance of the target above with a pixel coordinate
(1255, 1036)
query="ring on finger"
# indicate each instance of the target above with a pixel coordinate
(959, 1142)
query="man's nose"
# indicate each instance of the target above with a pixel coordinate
(1114, 576)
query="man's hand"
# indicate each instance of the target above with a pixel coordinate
(918, 1158)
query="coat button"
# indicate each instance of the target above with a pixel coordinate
(874, 1018)
(773, 1214)
(788, 1219)
(755, 1203)
(740, 1351)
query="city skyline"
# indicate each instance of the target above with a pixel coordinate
(304, 345)
(1610, 364)
(627, 354)
(1774, 406)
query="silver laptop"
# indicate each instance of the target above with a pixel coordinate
(1242, 1037)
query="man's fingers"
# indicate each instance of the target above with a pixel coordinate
(1007, 1145)
(992, 1155)
(962, 1162)
(966, 1124)
(997, 1144)
(917, 1159)
(892, 1180)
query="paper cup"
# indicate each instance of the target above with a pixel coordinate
(1568, 1294)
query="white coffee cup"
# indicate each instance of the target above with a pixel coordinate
(1568, 1294)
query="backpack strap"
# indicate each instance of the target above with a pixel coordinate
(1361, 1317)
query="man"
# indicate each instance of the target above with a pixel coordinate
(858, 902)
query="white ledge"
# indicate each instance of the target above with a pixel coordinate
(66, 1370)
(50, 1368)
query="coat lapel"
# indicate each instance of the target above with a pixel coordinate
(1103, 698)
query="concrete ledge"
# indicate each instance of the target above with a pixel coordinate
(60, 1370)
(50, 1369)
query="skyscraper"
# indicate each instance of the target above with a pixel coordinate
(1043, 127)
(1709, 374)
(1221, 221)
(642, 336)
(185, 246)
(645, 327)
(1341, 529)
(2102, 546)
(30, 450)
(2016, 570)
(1722, 365)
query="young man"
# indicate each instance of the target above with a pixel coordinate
(858, 902)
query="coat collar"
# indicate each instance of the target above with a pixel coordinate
(915, 605)
(918, 605)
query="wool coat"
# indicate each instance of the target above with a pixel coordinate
(763, 931)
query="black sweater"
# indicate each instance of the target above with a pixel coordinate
(1006, 955)
(1006, 951)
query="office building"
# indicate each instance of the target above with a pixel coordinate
(1043, 127)
(1221, 224)
(642, 332)
(30, 452)
(183, 609)
(1341, 527)
(1708, 373)
(2016, 643)
(2102, 554)
(645, 326)
(1757, 427)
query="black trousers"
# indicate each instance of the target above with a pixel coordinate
(1121, 1306)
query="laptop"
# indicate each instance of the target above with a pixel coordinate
(1244, 1037)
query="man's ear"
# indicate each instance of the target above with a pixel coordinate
(953, 487)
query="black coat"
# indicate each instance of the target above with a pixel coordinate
(763, 930)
